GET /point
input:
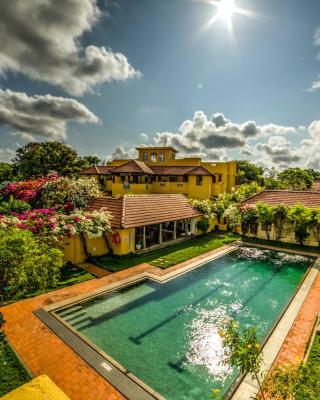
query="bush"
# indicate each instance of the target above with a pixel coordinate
(18, 206)
(203, 225)
(70, 193)
(26, 264)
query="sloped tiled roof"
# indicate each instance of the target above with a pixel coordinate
(133, 166)
(131, 211)
(96, 170)
(177, 170)
(286, 197)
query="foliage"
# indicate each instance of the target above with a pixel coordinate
(265, 217)
(203, 206)
(203, 225)
(249, 219)
(246, 190)
(315, 223)
(289, 382)
(53, 226)
(296, 178)
(28, 191)
(279, 213)
(221, 203)
(69, 193)
(6, 172)
(248, 172)
(273, 184)
(36, 160)
(26, 264)
(19, 206)
(233, 216)
(242, 349)
(300, 219)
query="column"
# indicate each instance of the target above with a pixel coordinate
(144, 237)
(160, 233)
(174, 230)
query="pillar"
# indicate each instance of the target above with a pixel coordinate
(144, 237)
(174, 230)
(160, 233)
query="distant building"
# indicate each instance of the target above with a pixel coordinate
(158, 171)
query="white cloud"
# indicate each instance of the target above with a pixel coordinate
(144, 136)
(7, 154)
(315, 86)
(41, 115)
(41, 39)
(121, 153)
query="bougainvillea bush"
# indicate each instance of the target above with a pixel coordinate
(28, 191)
(69, 193)
(54, 226)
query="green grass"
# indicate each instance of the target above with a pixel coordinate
(12, 373)
(168, 256)
(314, 356)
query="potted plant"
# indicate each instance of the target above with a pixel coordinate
(138, 246)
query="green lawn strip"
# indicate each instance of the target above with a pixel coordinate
(314, 356)
(168, 256)
(12, 372)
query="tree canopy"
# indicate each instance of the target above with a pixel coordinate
(37, 159)
(296, 178)
(248, 172)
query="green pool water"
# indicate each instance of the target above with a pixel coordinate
(167, 334)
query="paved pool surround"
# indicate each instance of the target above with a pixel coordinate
(43, 352)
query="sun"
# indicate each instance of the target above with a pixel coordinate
(225, 8)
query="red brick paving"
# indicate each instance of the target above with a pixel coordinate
(294, 346)
(44, 353)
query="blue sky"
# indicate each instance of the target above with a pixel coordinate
(57, 82)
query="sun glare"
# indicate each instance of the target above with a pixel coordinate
(226, 8)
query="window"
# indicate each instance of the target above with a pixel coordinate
(123, 178)
(145, 156)
(173, 179)
(220, 177)
(199, 180)
(154, 157)
(214, 179)
(161, 156)
(185, 178)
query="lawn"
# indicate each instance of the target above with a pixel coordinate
(168, 256)
(314, 356)
(12, 373)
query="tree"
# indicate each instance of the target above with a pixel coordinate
(6, 172)
(279, 212)
(248, 172)
(249, 220)
(300, 218)
(26, 263)
(233, 217)
(35, 160)
(296, 178)
(265, 217)
(220, 204)
(315, 223)
(242, 350)
(203, 225)
(246, 190)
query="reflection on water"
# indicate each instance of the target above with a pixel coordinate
(252, 253)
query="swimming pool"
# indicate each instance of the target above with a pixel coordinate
(166, 334)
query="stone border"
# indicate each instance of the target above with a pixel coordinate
(131, 386)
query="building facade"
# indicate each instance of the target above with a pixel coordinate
(158, 171)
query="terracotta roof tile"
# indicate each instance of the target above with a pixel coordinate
(96, 170)
(133, 166)
(286, 197)
(177, 170)
(138, 210)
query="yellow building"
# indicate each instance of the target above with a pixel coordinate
(139, 223)
(157, 171)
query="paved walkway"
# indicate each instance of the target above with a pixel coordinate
(94, 269)
(44, 353)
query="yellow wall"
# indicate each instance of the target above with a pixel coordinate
(288, 236)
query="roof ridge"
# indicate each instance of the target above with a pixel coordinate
(123, 211)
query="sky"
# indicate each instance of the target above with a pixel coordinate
(106, 76)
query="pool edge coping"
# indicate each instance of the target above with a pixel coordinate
(243, 384)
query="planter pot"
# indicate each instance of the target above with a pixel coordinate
(138, 246)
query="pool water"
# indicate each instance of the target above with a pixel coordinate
(167, 334)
